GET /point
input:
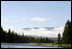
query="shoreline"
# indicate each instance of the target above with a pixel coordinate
(50, 44)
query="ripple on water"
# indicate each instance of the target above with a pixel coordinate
(26, 45)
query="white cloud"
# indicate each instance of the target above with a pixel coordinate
(13, 20)
(22, 19)
(5, 20)
(13, 28)
(37, 32)
(39, 19)
(44, 33)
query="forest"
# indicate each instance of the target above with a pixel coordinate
(12, 37)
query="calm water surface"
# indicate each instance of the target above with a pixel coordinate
(26, 45)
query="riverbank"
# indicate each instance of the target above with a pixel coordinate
(26, 45)
(62, 45)
(50, 44)
(42, 43)
(65, 45)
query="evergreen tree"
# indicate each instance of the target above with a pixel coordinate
(3, 35)
(67, 33)
(59, 38)
(9, 36)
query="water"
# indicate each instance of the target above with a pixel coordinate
(26, 45)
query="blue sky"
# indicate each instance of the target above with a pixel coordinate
(35, 13)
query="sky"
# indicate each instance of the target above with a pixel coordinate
(24, 14)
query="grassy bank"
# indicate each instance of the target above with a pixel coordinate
(41, 43)
(62, 45)
(66, 45)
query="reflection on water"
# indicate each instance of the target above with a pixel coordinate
(26, 45)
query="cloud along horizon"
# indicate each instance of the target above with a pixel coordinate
(34, 19)
(41, 32)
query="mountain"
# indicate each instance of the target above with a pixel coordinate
(26, 28)
(51, 32)
(43, 31)
(49, 28)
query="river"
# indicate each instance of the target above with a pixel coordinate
(26, 45)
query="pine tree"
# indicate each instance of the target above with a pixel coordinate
(67, 33)
(3, 35)
(9, 36)
(59, 38)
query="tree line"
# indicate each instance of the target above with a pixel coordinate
(66, 38)
(12, 37)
